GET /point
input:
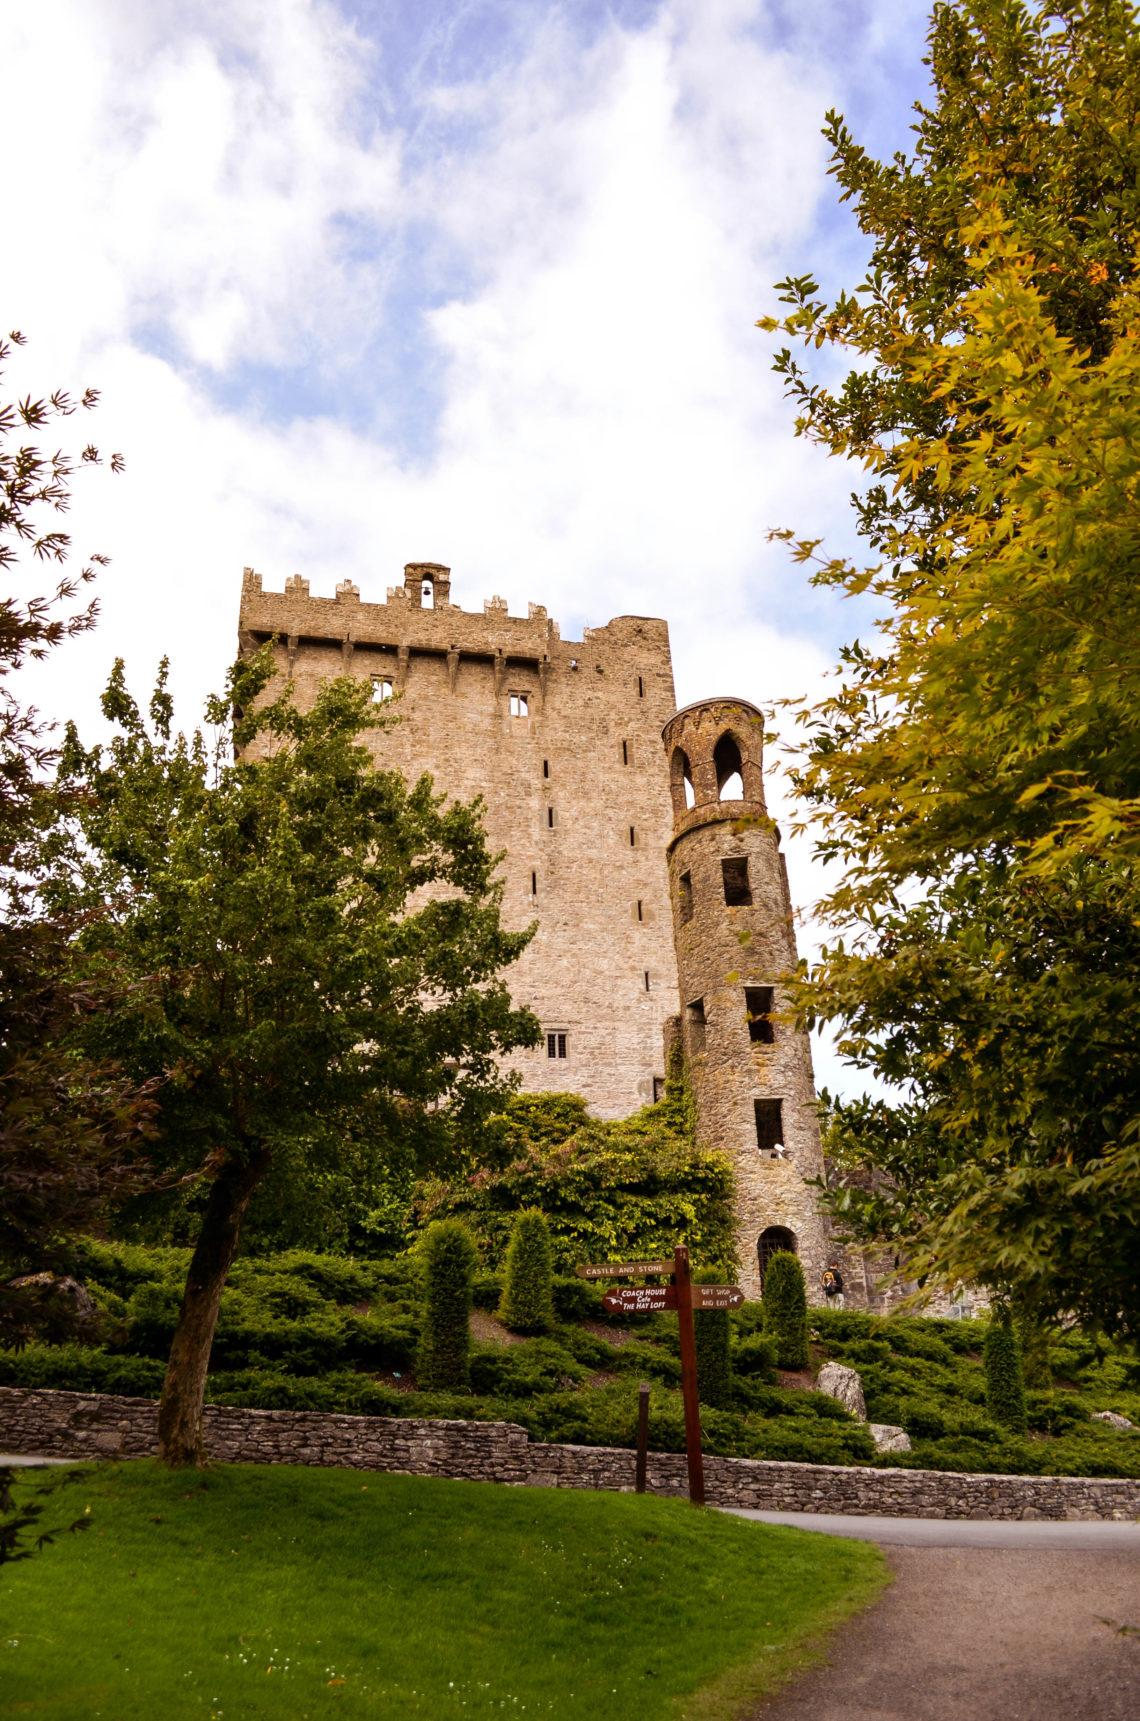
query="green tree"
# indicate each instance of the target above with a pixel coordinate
(1005, 1375)
(449, 1261)
(71, 1129)
(785, 1309)
(322, 947)
(527, 1304)
(977, 768)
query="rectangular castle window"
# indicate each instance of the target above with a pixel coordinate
(658, 1089)
(546, 767)
(770, 1126)
(632, 837)
(640, 915)
(695, 1017)
(381, 688)
(647, 980)
(519, 704)
(640, 688)
(685, 888)
(625, 752)
(534, 884)
(737, 891)
(556, 1045)
(758, 1004)
(550, 818)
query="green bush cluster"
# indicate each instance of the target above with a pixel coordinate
(785, 1309)
(1005, 1375)
(449, 1260)
(528, 1299)
(609, 1190)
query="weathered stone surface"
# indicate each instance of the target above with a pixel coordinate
(888, 1438)
(576, 791)
(844, 1384)
(1113, 1418)
(84, 1425)
(723, 949)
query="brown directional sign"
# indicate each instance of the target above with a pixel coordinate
(640, 1299)
(717, 1296)
(623, 1269)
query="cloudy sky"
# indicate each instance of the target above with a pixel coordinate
(471, 282)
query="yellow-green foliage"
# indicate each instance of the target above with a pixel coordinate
(637, 1187)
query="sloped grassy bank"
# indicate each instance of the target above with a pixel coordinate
(273, 1591)
(300, 1330)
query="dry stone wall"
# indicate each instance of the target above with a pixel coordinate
(85, 1426)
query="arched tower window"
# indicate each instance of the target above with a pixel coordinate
(427, 595)
(681, 782)
(771, 1242)
(729, 769)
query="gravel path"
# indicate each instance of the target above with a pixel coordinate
(985, 1634)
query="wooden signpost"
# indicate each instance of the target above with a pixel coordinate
(683, 1296)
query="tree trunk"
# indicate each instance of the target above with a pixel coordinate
(184, 1388)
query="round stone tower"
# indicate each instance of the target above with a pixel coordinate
(732, 921)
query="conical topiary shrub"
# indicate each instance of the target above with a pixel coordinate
(714, 1357)
(785, 1309)
(1005, 1374)
(527, 1304)
(449, 1257)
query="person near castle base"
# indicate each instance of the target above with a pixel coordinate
(832, 1282)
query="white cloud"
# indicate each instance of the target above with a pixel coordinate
(235, 194)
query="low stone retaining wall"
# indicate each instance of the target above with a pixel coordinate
(94, 1425)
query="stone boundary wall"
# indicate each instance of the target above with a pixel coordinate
(95, 1425)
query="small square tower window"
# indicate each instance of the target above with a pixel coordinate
(658, 1089)
(758, 1003)
(556, 1045)
(381, 688)
(737, 891)
(770, 1126)
(519, 704)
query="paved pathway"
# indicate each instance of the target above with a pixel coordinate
(962, 1532)
(1021, 1627)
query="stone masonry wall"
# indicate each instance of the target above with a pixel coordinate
(721, 950)
(576, 792)
(85, 1426)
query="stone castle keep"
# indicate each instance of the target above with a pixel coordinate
(659, 912)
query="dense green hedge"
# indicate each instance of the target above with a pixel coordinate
(528, 1305)
(305, 1331)
(449, 1257)
(785, 1309)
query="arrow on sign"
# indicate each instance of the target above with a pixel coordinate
(640, 1299)
(623, 1269)
(717, 1296)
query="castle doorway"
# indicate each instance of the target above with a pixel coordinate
(771, 1242)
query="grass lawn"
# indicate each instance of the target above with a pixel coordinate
(280, 1592)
